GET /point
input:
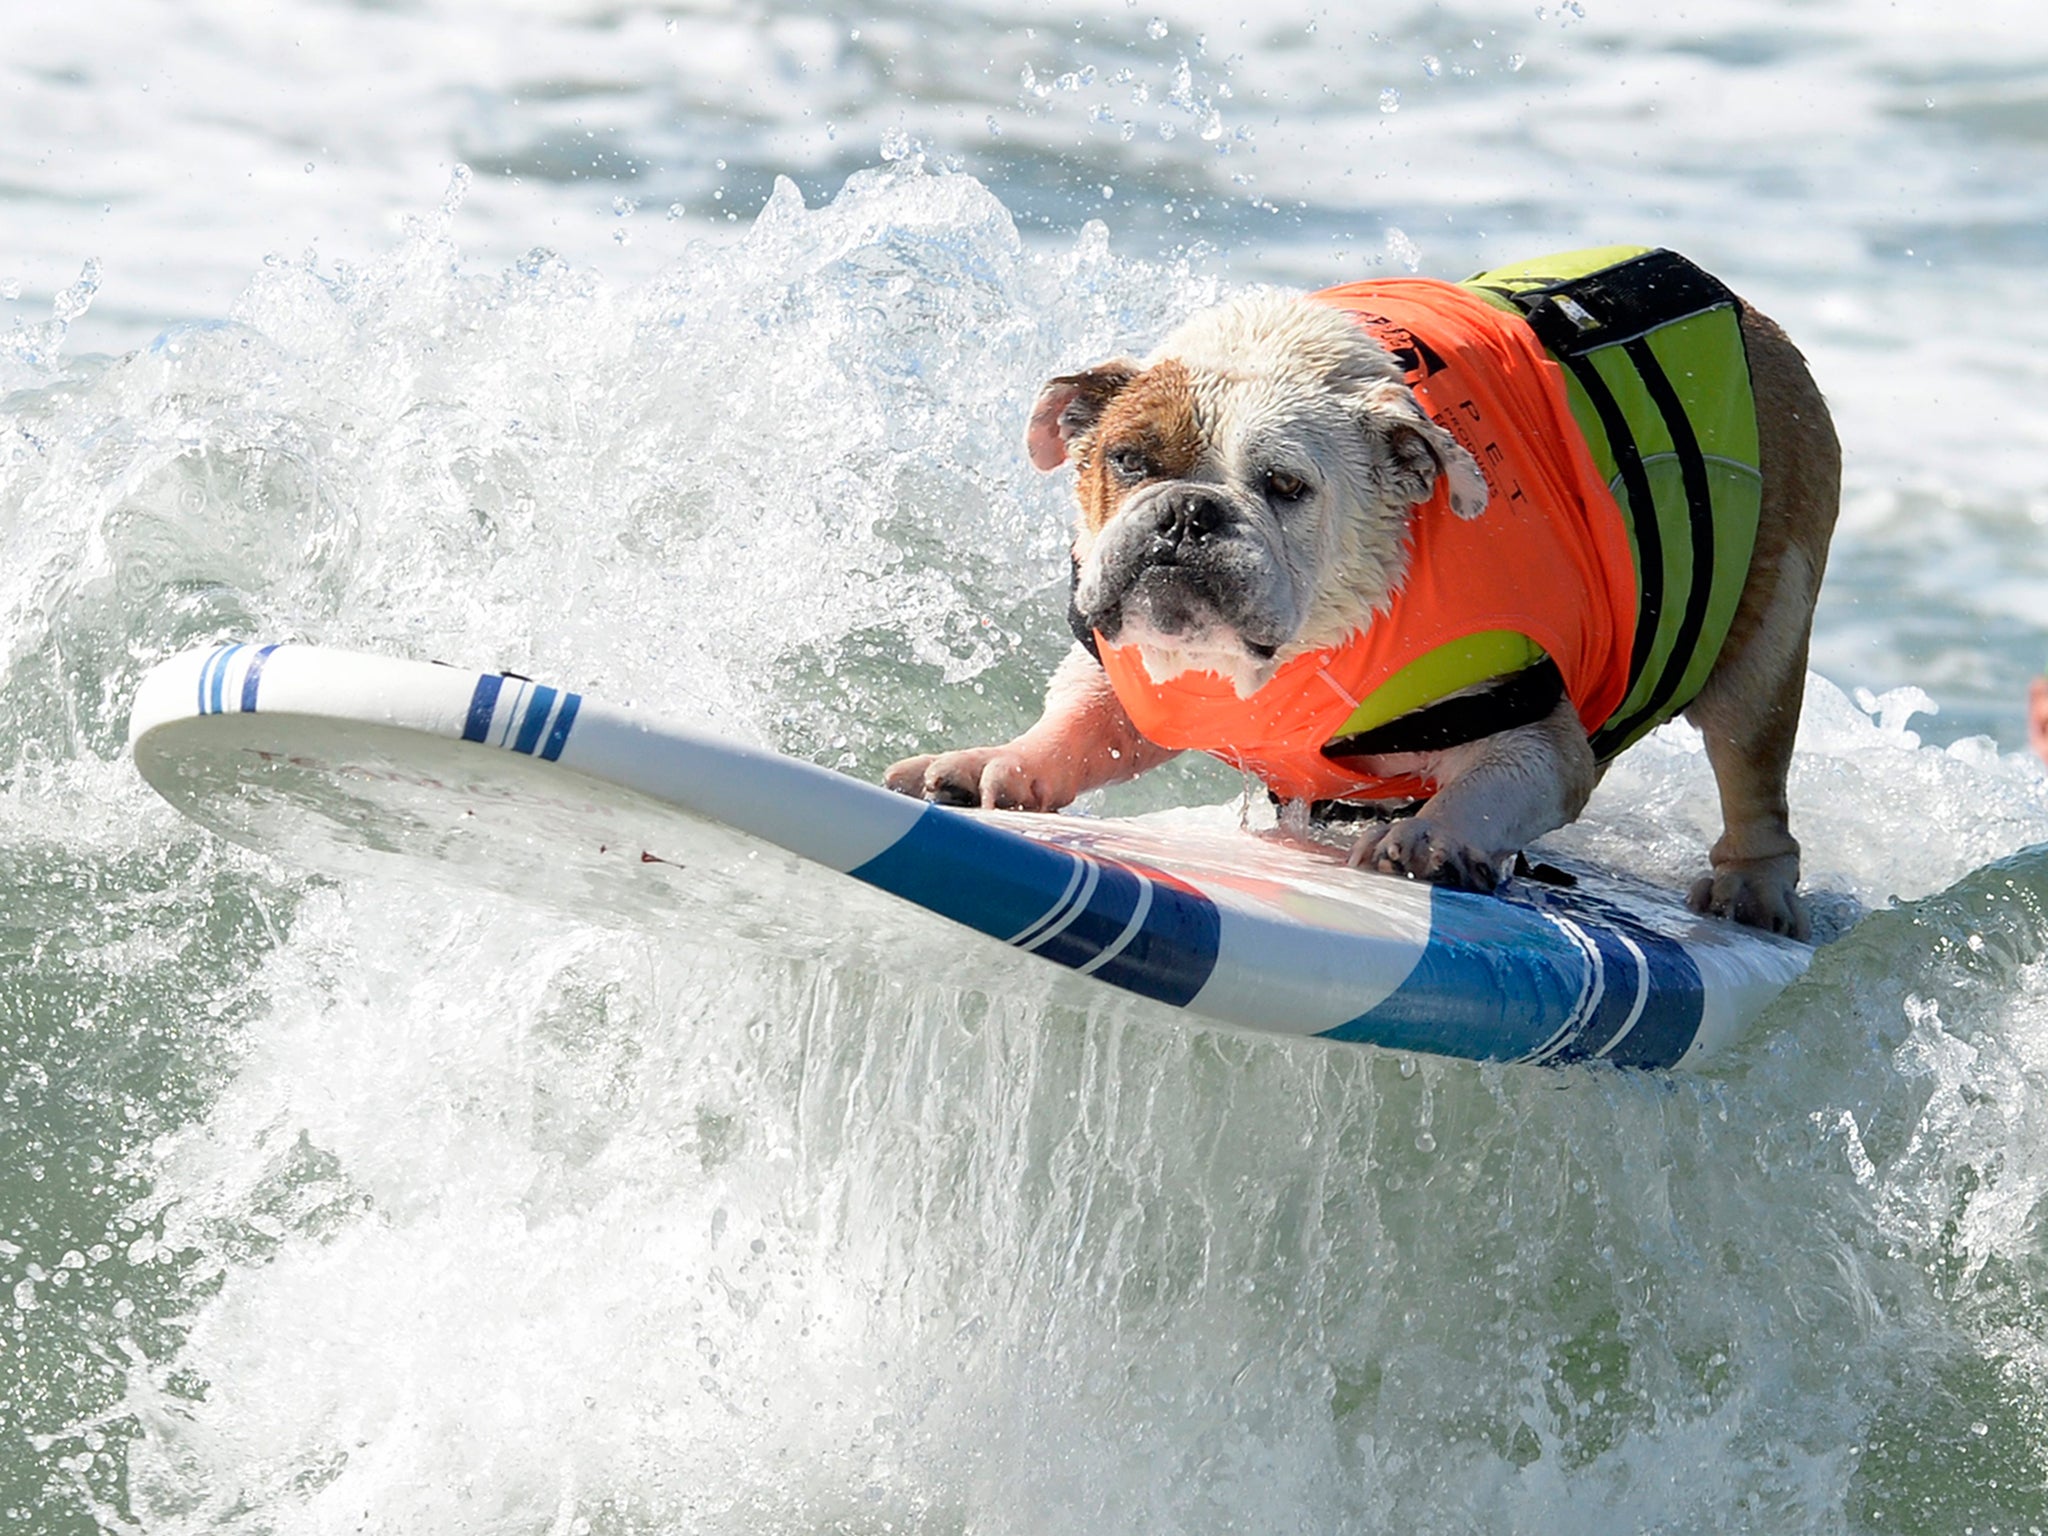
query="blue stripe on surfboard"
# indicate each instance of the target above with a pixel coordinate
(1637, 962)
(558, 733)
(1671, 1014)
(1006, 886)
(481, 703)
(206, 675)
(220, 675)
(1100, 923)
(536, 717)
(1499, 982)
(249, 682)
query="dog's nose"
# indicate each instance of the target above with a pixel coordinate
(1187, 521)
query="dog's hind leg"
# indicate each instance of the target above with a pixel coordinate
(1749, 709)
(1749, 714)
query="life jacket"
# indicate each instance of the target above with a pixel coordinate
(1605, 394)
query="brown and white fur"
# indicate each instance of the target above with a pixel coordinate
(1245, 496)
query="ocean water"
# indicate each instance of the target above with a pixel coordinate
(681, 355)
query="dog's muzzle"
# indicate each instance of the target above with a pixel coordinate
(1187, 561)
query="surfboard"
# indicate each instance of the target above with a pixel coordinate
(348, 762)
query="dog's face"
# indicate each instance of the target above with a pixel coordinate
(1246, 493)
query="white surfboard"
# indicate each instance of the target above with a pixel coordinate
(345, 761)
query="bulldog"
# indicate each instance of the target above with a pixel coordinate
(1430, 555)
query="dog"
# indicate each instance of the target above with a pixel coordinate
(1438, 552)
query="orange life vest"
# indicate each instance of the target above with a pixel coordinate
(1550, 559)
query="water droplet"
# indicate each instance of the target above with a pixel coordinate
(1155, 29)
(1425, 1142)
(1432, 66)
(309, 167)
(459, 181)
(675, 210)
(1108, 192)
(1407, 1066)
(1516, 61)
(1390, 100)
(624, 207)
(896, 145)
(77, 299)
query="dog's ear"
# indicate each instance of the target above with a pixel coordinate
(1422, 452)
(1069, 406)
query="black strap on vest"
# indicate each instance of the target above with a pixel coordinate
(1520, 698)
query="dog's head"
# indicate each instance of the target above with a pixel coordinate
(1245, 493)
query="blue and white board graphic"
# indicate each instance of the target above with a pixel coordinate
(337, 759)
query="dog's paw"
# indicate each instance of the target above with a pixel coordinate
(1757, 895)
(1415, 848)
(994, 778)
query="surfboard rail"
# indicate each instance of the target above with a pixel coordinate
(295, 749)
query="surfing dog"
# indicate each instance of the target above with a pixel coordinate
(1437, 553)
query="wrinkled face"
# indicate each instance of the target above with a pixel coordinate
(1246, 494)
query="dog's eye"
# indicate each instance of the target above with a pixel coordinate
(1128, 464)
(1282, 486)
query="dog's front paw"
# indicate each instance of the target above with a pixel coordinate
(994, 778)
(1421, 851)
(1761, 893)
